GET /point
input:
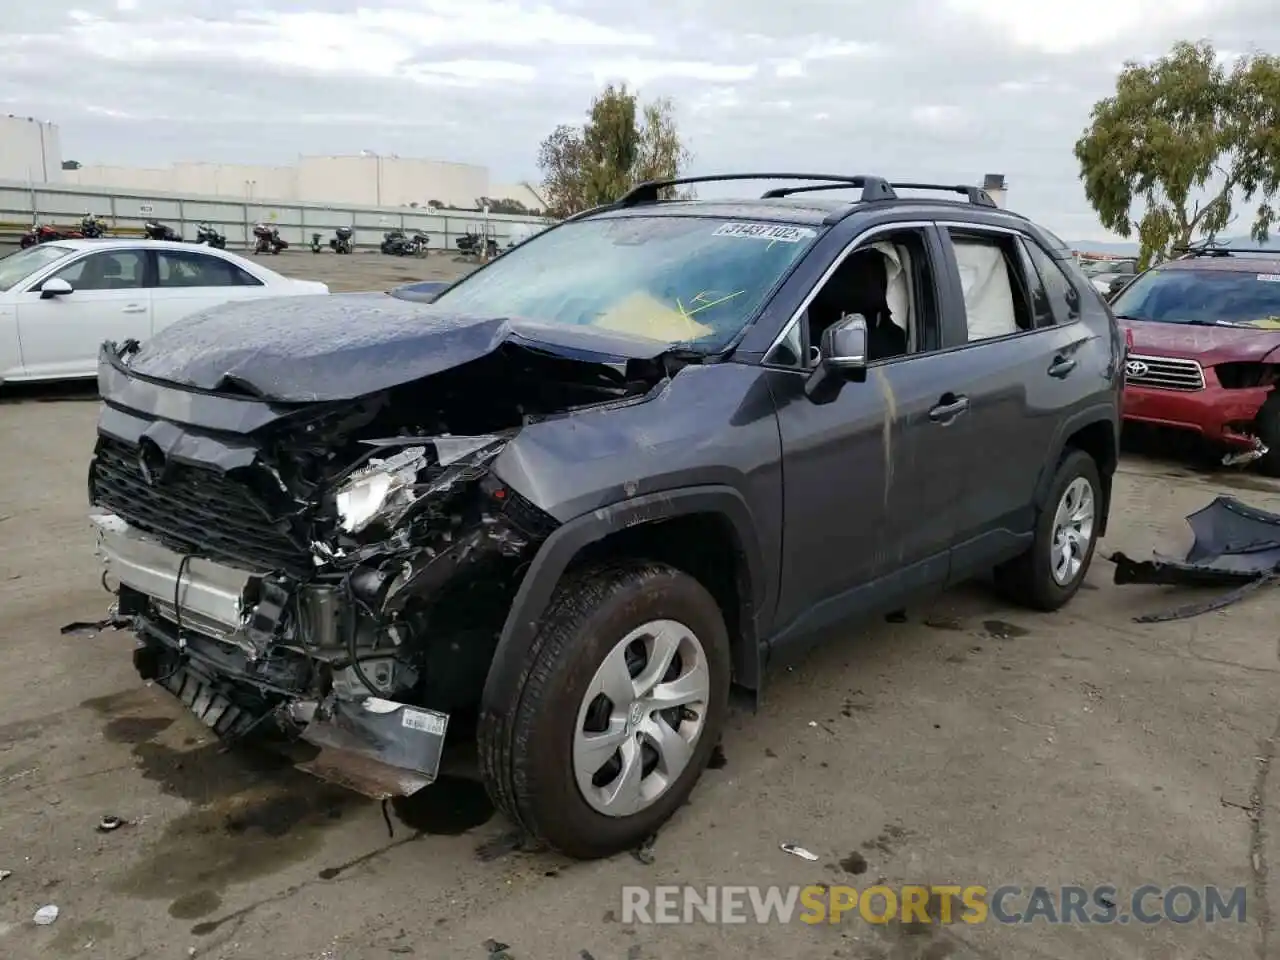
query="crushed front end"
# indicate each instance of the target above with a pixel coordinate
(337, 572)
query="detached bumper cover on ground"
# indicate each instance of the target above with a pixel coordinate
(1235, 545)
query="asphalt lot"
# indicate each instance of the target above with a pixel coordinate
(972, 744)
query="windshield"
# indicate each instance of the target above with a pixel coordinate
(674, 279)
(18, 266)
(1202, 297)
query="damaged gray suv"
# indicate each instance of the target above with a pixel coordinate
(566, 503)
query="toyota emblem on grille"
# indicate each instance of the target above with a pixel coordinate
(151, 463)
(1136, 368)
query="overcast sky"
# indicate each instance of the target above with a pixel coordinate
(939, 89)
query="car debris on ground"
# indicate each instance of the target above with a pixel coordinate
(1234, 545)
(800, 852)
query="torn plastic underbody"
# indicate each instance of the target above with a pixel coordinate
(1234, 545)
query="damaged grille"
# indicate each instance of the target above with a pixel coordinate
(195, 511)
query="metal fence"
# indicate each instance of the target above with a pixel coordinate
(62, 206)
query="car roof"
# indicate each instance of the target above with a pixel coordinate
(813, 211)
(1238, 263)
(120, 243)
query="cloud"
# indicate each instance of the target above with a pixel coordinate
(944, 90)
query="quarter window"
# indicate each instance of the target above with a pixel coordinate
(1041, 310)
(1063, 298)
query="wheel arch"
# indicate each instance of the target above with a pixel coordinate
(685, 528)
(1096, 432)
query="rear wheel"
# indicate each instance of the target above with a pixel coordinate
(624, 696)
(1050, 572)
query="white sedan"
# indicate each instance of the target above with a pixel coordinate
(59, 301)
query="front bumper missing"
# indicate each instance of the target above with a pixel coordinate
(376, 747)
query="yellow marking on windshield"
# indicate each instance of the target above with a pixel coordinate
(706, 304)
(643, 315)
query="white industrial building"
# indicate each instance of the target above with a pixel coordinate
(30, 150)
(366, 180)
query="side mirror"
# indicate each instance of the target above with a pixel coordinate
(54, 287)
(843, 356)
(844, 344)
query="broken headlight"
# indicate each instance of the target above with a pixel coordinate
(386, 489)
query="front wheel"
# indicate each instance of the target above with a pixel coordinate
(1050, 572)
(624, 697)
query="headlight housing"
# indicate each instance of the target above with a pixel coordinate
(386, 489)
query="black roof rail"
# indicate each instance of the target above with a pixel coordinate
(873, 188)
(779, 192)
(1214, 250)
(974, 194)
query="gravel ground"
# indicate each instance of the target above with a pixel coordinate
(972, 744)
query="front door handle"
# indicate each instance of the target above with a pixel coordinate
(949, 407)
(1061, 366)
(135, 308)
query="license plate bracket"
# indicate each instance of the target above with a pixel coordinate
(377, 747)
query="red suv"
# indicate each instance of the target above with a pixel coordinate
(1205, 354)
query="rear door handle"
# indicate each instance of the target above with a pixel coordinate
(949, 407)
(1061, 366)
(135, 308)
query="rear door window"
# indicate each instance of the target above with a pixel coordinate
(180, 268)
(996, 300)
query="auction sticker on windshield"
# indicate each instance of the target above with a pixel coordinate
(773, 232)
(1269, 277)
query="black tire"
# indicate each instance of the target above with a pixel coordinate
(1267, 425)
(526, 747)
(1028, 579)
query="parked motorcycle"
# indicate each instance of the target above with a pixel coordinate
(39, 233)
(471, 243)
(267, 239)
(315, 243)
(208, 235)
(393, 241)
(419, 243)
(92, 227)
(155, 230)
(342, 243)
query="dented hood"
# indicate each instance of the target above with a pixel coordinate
(302, 349)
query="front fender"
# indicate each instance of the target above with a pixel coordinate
(558, 551)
